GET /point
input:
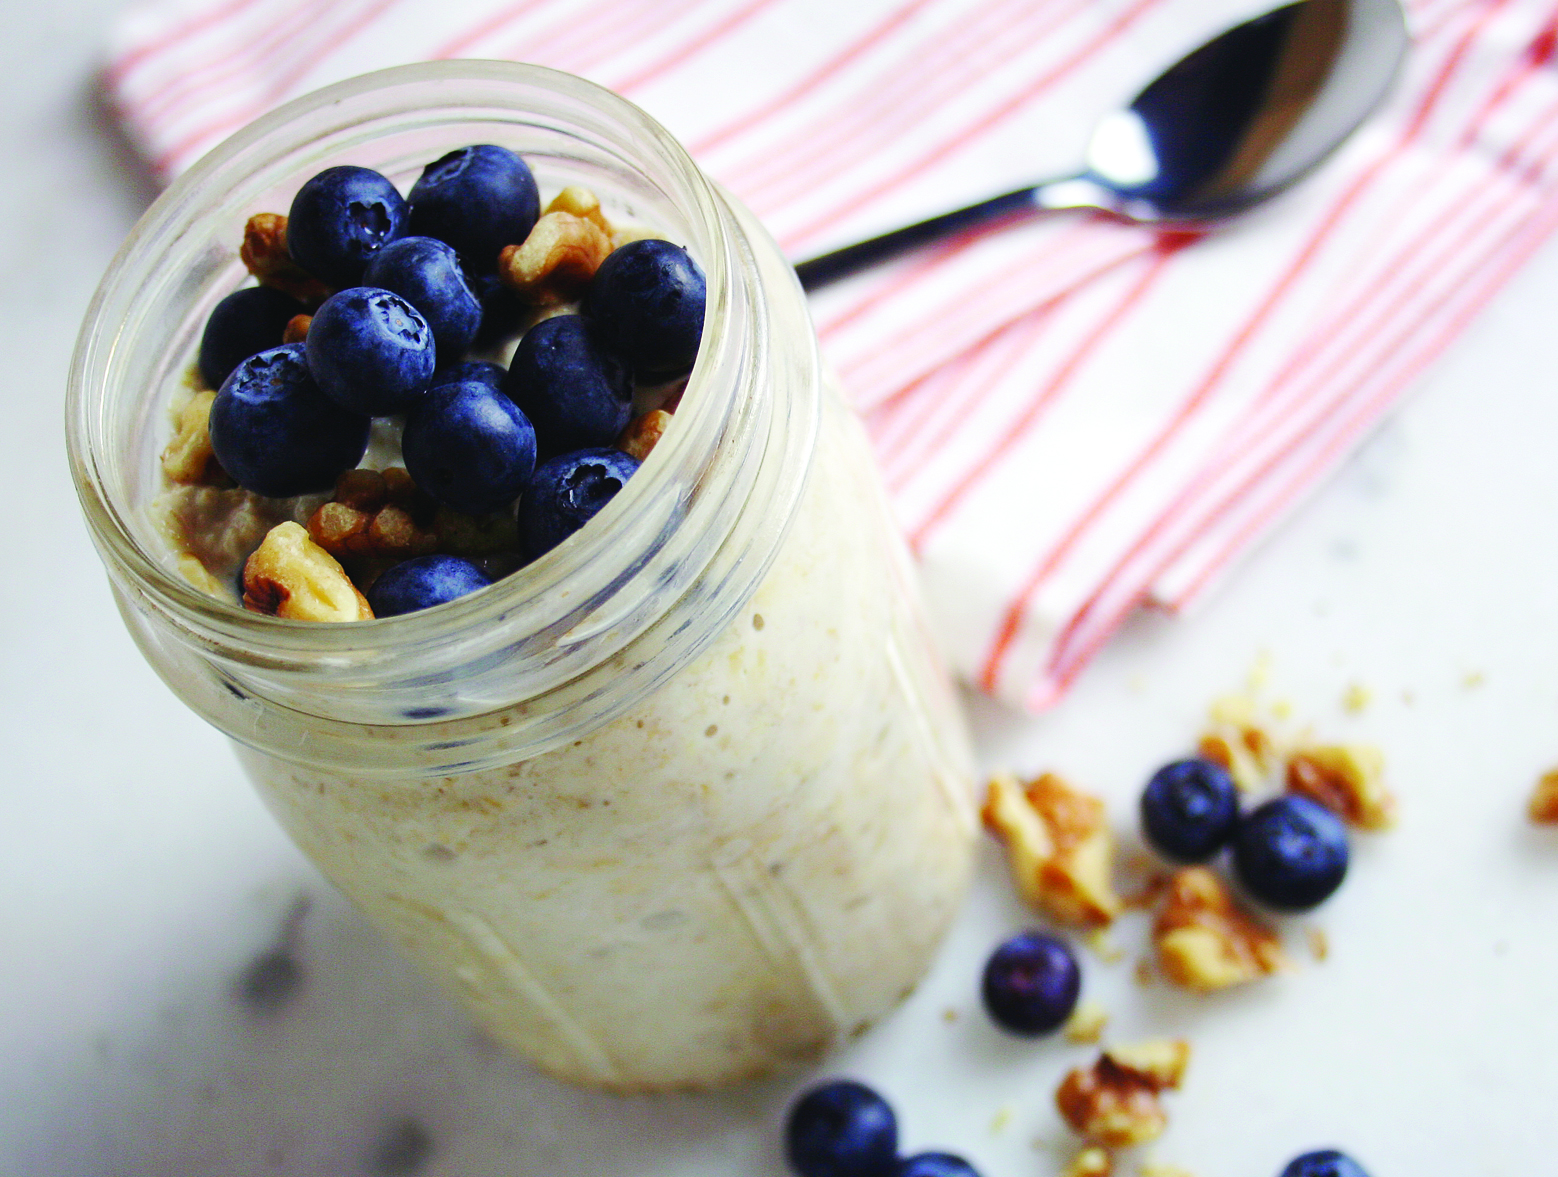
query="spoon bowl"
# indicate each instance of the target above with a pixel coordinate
(1226, 127)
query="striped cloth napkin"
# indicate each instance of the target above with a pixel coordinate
(1076, 417)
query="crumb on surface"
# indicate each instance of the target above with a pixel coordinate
(1102, 945)
(1086, 1024)
(1001, 1119)
(1543, 806)
(1319, 942)
(1356, 699)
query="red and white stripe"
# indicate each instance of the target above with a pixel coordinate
(1076, 417)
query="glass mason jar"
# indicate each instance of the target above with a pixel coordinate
(686, 797)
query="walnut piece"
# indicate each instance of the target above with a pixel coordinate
(556, 261)
(196, 573)
(291, 576)
(1086, 1024)
(1090, 1162)
(1205, 942)
(264, 251)
(296, 330)
(1347, 779)
(1114, 1103)
(579, 201)
(188, 458)
(1544, 799)
(626, 233)
(1059, 846)
(643, 433)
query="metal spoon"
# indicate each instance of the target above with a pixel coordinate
(1234, 122)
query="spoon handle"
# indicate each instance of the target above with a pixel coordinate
(830, 267)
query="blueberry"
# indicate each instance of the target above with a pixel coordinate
(422, 583)
(1325, 1163)
(502, 310)
(1189, 809)
(488, 373)
(276, 433)
(1290, 853)
(841, 1129)
(576, 394)
(370, 351)
(469, 447)
(426, 273)
(478, 199)
(1031, 983)
(243, 324)
(935, 1164)
(647, 304)
(340, 219)
(565, 494)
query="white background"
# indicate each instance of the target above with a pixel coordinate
(140, 874)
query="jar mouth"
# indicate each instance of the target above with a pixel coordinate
(655, 535)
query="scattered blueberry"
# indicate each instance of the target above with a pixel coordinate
(1290, 853)
(566, 493)
(1031, 983)
(423, 582)
(371, 351)
(483, 370)
(1189, 809)
(1325, 1163)
(426, 273)
(935, 1164)
(340, 219)
(647, 303)
(276, 433)
(842, 1129)
(478, 199)
(243, 324)
(576, 394)
(469, 447)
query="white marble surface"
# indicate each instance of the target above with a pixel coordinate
(142, 878)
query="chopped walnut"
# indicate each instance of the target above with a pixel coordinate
(291, 576)
(556, 261)
(363, 490)
(578, 201)
(1347, 779)
(1090, 1162)
(1544, 799)
(1205, 942)
(264, 251)
(643, 434)
(1158, 1169)
(1114, 1103)
(188, 458)
(296, 330)
(1059, 846)
(196, 573)
(472, 536)
(1245, 752)
(628, 233)
(387, 532)
(1086, 1024)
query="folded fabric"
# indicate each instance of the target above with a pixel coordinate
(1077, 417)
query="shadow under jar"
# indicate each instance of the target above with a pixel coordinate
(689, 796)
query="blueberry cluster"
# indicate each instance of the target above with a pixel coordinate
(415, 283)
(844, 1129)
(1288, 852)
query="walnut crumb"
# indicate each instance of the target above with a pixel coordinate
(1544, 799)
(1158, 1169)
(1319, 943)
(264, 251)
(188, 458)
(578, 201)
(291, 576)
(296, 330)
(1205, 942)
(1086, 1024)
(1114, 1103)
(556, 261)
(1090, 1162)
(643, 434)
(1059, 846)
(1347, 779)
